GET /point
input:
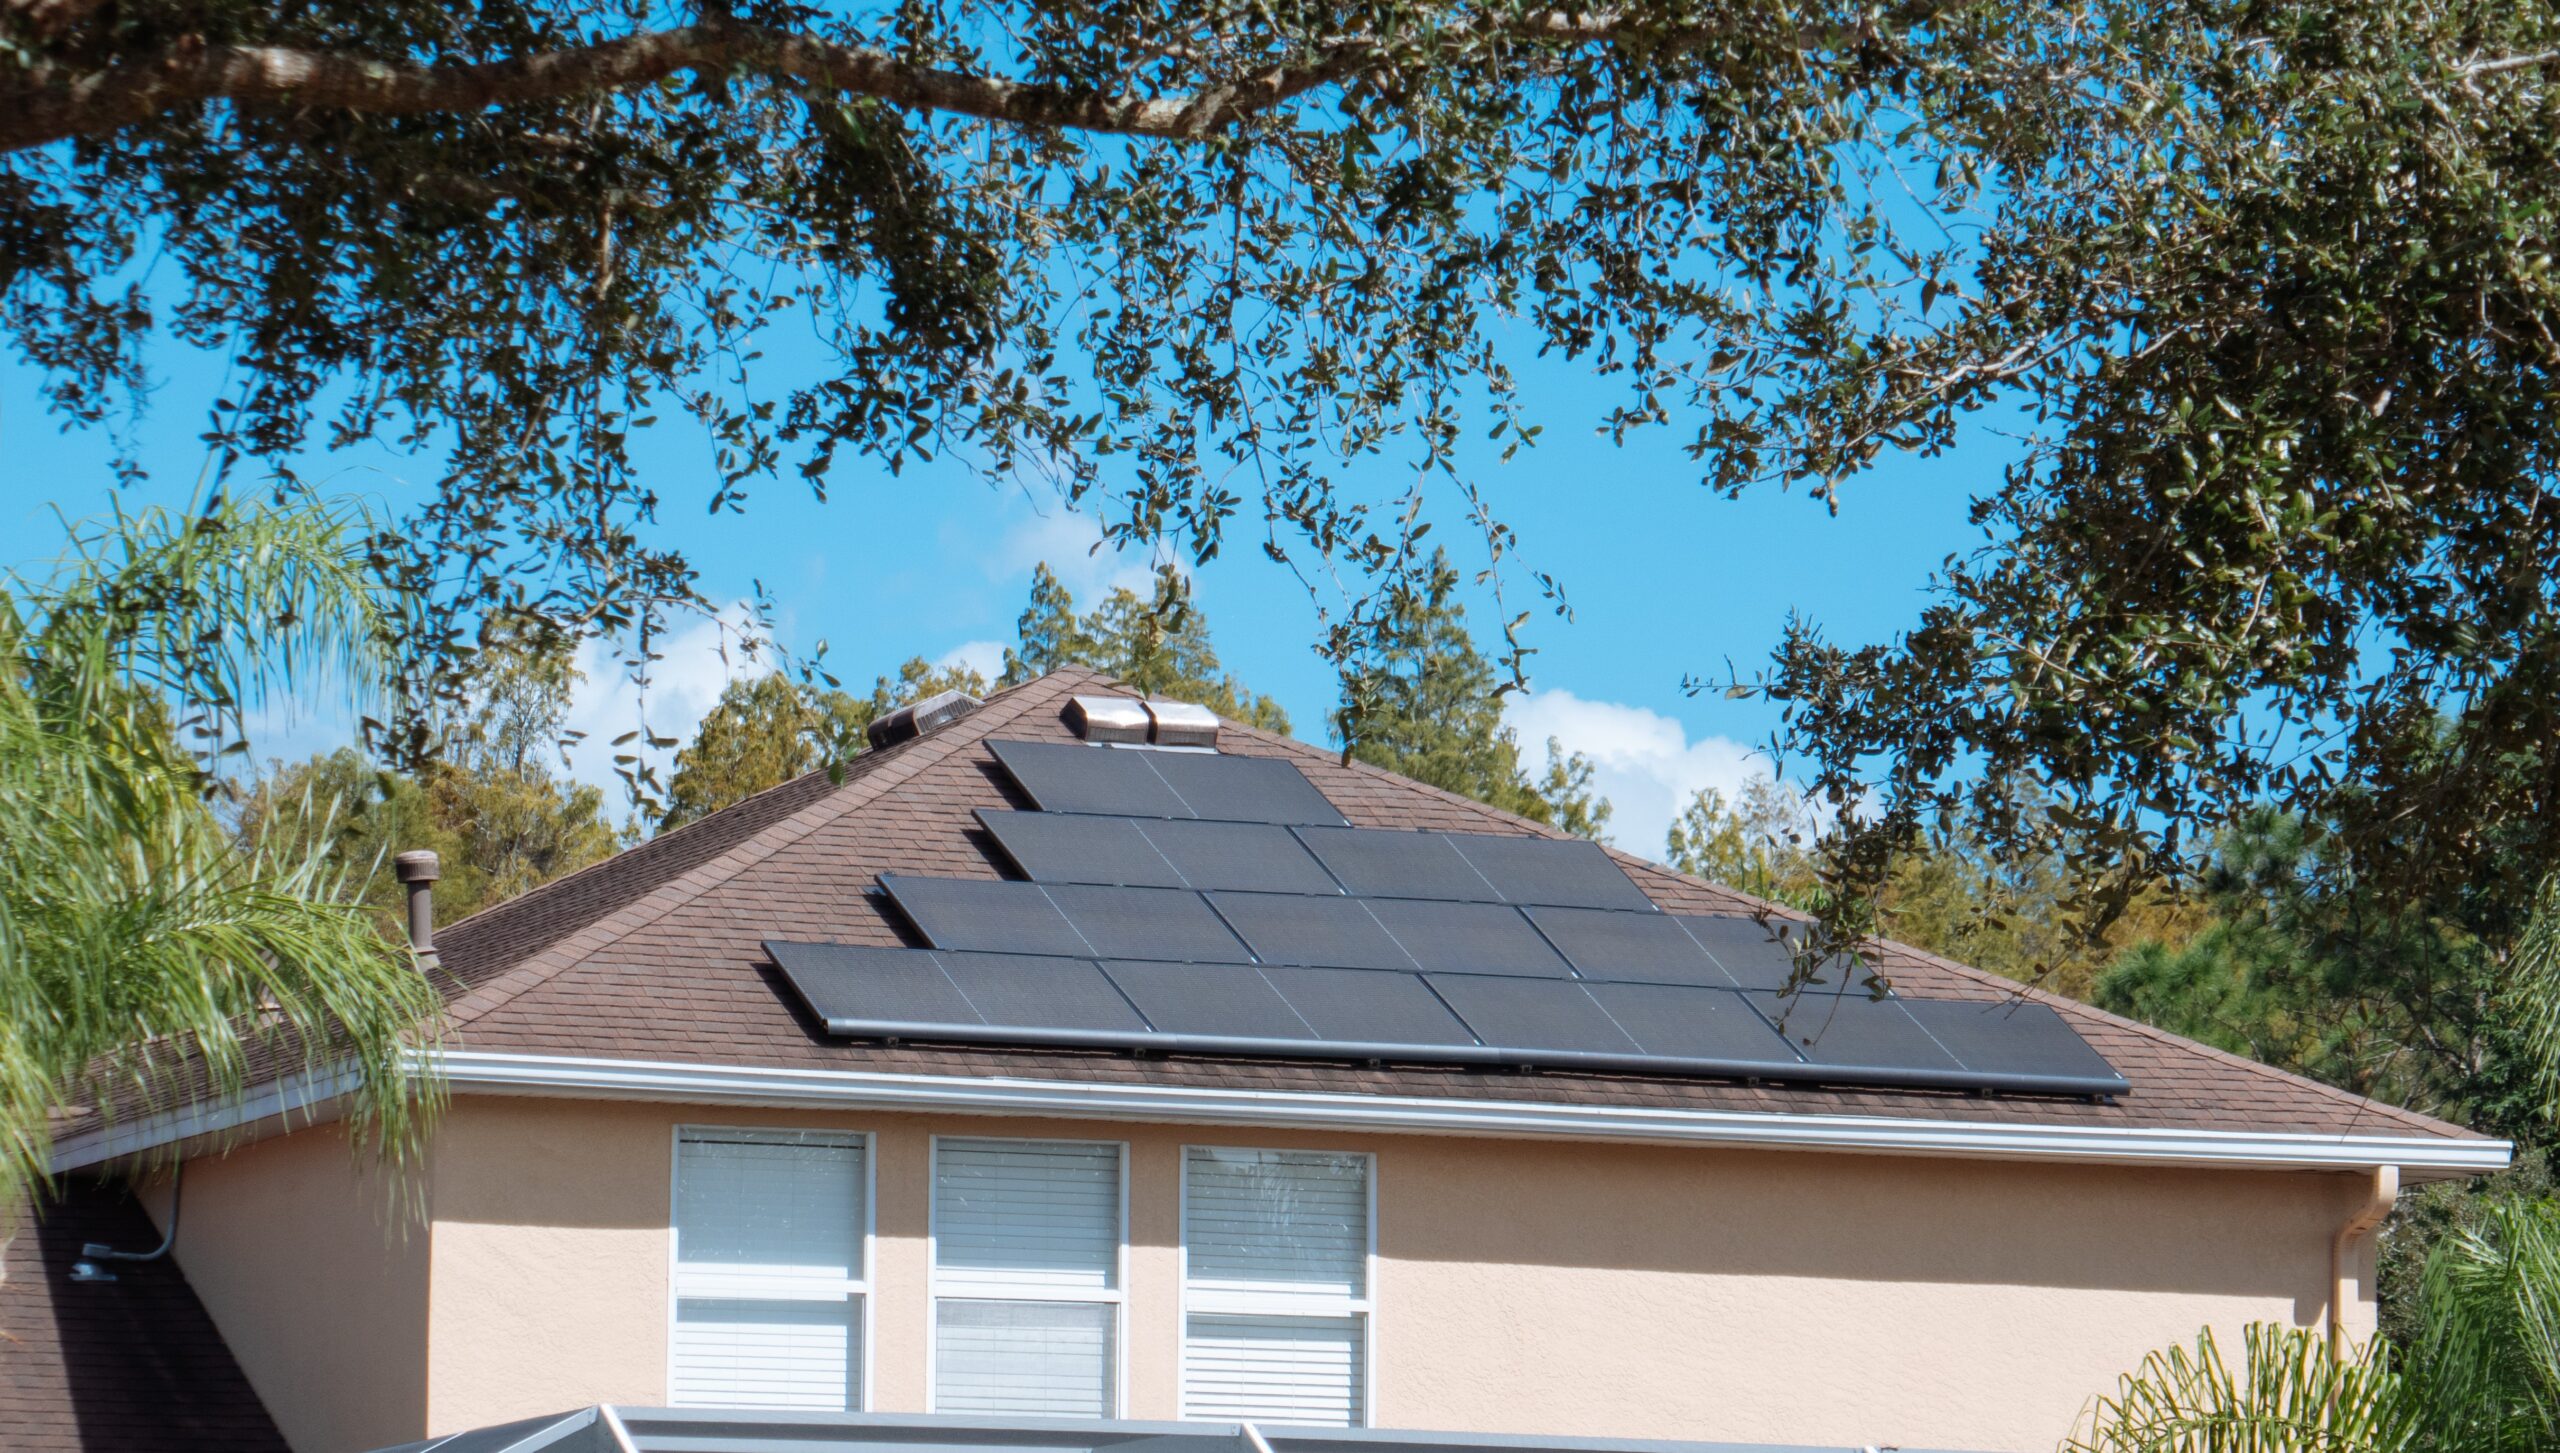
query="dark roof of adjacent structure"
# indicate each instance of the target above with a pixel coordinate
(608, 1428)
(134, 1365)
(656, 954)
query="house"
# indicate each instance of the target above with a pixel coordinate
(1072, 1060)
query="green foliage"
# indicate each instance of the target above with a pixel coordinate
(1427, 705)
(1158, 644)
(2287, 1395)
(768, 730)
(2486, 1362)
(1757, 844)
(143, 953)
(2327, 977)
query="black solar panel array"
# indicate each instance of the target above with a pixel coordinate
(1404, 1015)
(1195, 901)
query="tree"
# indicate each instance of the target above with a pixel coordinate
(137, 940)
(769, 730)
(1158, 644)
(1756, 844)
(1427, 705)
(487, 804)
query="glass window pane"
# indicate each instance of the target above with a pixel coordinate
(1023, 1357)
(1285, 1219)
(786, 1205)
(739, 1353)
(1013, 1213)
(1273, 1369)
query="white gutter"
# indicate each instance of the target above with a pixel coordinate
(468, 1071)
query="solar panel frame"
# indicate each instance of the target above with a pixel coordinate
(988, 915)
(1230, 787)
(1848, 1032)
(1060, 847)
(1367, 1007)
(1378, 863)
(841, 982)
(1638, 948)
(1469, 938)
(1173, 924)
(1317, 932)
(1561, 872)
(1022, 991)
(1072, 777)
(1743, 948)
(1247, 857)
(1209, 1001)
(1681, 1022)
(2015, 1037)
(1534, 1016)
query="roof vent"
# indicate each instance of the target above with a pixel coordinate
(938, 710)
(1182, 724)
(1107, 719)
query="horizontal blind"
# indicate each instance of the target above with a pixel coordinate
(769, 1270)
(1050, 1358)
(1286, 1221)
(1014, 1215)
(739, 1353)
(1274, 1369)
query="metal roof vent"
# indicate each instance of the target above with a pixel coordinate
(1182, 724)
(938, 710)
(1107, 719)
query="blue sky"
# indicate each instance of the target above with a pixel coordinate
(1666, 578)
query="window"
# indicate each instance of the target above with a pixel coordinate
(1275, 1285)
(1026, 1277)
(772, 1269)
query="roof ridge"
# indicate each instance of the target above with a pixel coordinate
(913, 755)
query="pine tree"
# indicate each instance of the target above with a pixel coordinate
(1158, 644)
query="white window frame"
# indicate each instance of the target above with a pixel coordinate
(860, 1286)
(1251, 1304)
(1116, 1296)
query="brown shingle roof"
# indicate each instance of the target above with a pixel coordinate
(656, 954)
(128, 1366)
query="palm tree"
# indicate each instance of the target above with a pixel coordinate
(144, 953)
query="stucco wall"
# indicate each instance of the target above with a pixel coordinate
(314, 1265)
(1533, 1287)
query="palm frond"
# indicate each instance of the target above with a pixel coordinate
(2288, 1395)
(2488, 1357)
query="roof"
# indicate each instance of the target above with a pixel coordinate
(656, 955)
(134, 1364)
(608, 1428)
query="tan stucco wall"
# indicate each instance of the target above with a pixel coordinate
(1532, 1287)
(314, 1265)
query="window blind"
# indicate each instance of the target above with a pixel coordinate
(1026, 1277)
(769, 1270)
(1276, 1285)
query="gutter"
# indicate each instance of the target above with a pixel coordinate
(483, 1072)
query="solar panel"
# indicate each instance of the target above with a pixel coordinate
(1648, 948)
(987, 914)
(1147, 923)
(896, 985)
(1760, 955)
(1221, 1001)
(1469, 938)
(1375, 864)
(1851, 1031)
(2013, 1037)
(1565, 872)
(1054, 847)
(1021, 992)
(1239, 789)
(1361, 1006)
(1255, 857)
(1680, 1022)
(1068, 777)
(1533, 1014)
(1331, 932)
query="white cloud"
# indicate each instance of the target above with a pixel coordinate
(695, 664)
(1064, 540)
(984, 657)
(1642, 761)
